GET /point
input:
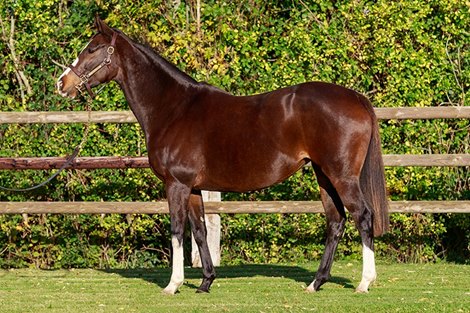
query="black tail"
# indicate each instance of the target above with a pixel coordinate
(373, 176)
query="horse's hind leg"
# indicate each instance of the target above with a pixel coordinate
(353, 199)
(198, 226)
(335, 219)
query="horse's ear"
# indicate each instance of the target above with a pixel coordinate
(98, 22)
(102, 27)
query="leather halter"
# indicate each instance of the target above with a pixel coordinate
(85, 77)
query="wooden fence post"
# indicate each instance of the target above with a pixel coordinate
(213, 233)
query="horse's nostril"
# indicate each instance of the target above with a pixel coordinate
(60, 85)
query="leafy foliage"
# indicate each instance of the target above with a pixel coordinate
(399, 53)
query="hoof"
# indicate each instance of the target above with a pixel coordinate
(361, 290)
(205, 285)
(168, 292)
(171, 289)
(311, 288)
(364, 285)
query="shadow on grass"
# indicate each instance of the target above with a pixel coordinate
(161, 277)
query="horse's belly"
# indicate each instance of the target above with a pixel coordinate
(251, 173)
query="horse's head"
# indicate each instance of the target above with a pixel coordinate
(96, 64)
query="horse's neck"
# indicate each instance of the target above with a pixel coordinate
(155, 90)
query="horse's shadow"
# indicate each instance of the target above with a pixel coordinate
(161, 277)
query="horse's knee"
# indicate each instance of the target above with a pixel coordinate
(199, 233)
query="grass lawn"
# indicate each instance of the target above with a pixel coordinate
(248, 288)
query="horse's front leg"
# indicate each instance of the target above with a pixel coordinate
(178, 198)
(198, 226)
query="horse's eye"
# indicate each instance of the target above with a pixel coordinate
(93, 49)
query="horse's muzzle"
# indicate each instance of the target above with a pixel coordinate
(63, 90)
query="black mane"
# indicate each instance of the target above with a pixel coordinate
(156, 58)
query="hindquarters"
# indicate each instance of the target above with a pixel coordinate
(344, 145)
(345, 152)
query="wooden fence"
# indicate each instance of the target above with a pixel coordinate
(213, 206)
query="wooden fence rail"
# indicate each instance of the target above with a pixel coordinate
(115, 162)
(128, 117)
(215, 207)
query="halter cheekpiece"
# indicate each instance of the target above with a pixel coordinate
(85, 77)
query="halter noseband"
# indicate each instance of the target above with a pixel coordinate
(84, 78)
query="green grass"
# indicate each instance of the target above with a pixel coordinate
(249, 288)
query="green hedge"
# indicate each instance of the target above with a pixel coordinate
(398, 53)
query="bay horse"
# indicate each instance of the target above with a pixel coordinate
(202, 138)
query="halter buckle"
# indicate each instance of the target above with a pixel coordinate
(84, 78)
